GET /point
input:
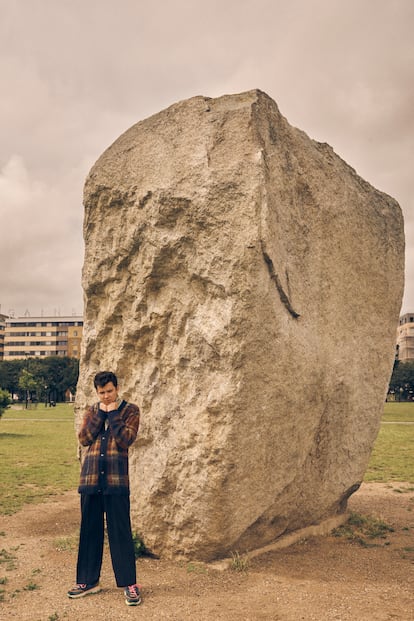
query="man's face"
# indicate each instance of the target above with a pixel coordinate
(107, 394)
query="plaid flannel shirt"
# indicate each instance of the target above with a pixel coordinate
(107, 436)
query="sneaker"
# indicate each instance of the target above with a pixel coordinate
(79, 590)
(132, 595)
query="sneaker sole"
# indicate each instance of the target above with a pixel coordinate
(88, 592)
(133, 603)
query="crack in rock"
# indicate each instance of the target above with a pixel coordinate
(284, 298)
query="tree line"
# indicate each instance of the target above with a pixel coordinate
(40, 379)
(402, 381)
(48, 379)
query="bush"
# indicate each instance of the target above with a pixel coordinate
(5, 400)
(140, 548)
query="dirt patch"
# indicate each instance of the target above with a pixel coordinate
(320, 578)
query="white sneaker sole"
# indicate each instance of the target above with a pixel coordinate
(95, 589)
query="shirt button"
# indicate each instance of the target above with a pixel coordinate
(102, 454)
(102, 472)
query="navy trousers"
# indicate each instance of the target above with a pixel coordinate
(116, 508)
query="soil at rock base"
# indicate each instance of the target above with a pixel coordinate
(321, 578)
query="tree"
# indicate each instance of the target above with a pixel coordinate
(52, 377)
(27, 383)
(60, 374)
(5, 401)
(402, 381)
(9, 374)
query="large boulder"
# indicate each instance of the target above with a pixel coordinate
(245, 285)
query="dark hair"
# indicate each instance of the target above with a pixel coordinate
(104, 377)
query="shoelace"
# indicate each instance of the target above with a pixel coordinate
(133, 589)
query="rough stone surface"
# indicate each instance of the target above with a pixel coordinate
(245, 283)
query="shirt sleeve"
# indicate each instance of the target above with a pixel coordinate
(92, 424)
(124, 425)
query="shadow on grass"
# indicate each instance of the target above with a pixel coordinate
(15, 435)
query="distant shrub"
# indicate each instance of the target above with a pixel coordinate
(5, 400)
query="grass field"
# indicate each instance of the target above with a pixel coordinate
(399, 412)
(38, 452)
(393, 456)
(38, 455)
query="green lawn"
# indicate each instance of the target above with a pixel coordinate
(399, 412)
(392, 458)
(62, 411)
(38, 458)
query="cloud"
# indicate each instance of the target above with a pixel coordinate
(42, 244)
(77, 74)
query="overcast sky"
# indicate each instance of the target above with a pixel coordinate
(75, 74)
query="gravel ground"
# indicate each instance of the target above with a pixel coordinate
(320, 578)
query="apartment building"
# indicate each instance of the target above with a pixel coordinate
(42, 336)
(2, 333)
(74, 340)
(405, 338)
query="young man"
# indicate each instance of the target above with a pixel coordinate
(108, 429)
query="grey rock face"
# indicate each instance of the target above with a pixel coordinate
(245, 285)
